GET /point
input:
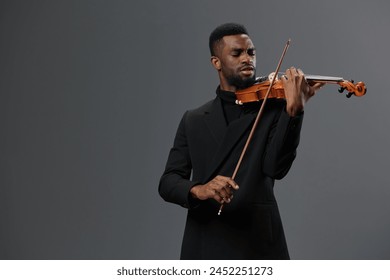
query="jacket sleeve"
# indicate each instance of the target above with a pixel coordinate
(282, 144)
(175, 183)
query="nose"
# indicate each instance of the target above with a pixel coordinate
(247, 58)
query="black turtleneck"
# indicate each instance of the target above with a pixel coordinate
(231, 110)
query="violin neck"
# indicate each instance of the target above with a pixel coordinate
(315, 78)
(319, 78)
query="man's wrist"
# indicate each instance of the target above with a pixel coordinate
(294, 109)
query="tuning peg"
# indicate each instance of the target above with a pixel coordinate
(349, 94)
(341, 89)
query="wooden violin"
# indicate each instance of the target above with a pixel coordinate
(258, 91)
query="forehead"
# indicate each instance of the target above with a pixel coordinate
(241, 41)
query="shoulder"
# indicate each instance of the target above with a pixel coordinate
(201, 110)
(194, 117)
(206, 107)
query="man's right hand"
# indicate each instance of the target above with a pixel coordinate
(220, 189)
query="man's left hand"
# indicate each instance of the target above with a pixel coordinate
(297, 90)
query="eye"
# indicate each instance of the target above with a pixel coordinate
(252, 52)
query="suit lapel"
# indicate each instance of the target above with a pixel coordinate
(215, 121)
(225, 137)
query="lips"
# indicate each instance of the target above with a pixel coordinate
(247, 70)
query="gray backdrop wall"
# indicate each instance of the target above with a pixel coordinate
(91, 93)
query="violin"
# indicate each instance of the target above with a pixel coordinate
(258, 91)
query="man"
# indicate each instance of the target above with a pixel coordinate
(208, 144)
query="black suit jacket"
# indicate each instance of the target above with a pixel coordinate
(250, 226)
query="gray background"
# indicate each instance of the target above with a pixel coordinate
(91, 93)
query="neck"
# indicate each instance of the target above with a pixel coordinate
(224, 85)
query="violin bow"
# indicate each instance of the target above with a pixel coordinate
(258, 117)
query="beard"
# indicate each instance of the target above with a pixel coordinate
(239, 82)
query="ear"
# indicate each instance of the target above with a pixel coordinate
(216, 62)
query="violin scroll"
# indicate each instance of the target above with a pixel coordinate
(358, 89)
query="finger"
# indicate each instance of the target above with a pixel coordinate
(226, 182)
(226, 198)
(231, 183)
(317, 86)
(219, 182)
(219, 198)
(300, 72)
(288, 72)
(291, 73)
(293, 70)
(226, 193)
(297, 73)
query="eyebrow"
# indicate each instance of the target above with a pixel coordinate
(242, 50)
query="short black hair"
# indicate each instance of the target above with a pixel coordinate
(225, 30)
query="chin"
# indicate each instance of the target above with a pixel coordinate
(246, 82)
(241, 82)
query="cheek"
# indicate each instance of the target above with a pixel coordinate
(229, 66)
(227, 71)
